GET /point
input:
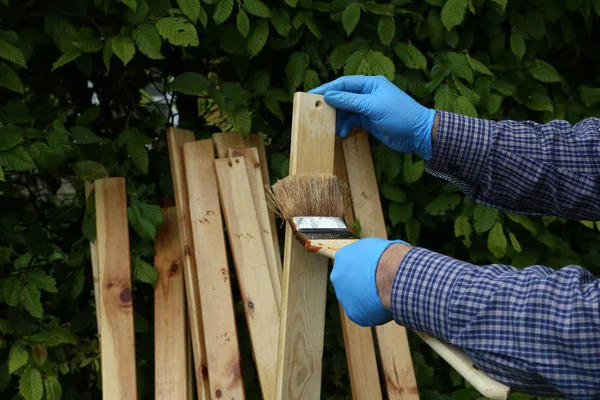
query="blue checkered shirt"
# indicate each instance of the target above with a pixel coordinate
(535, 329)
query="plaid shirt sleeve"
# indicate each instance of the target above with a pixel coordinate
(536, 329)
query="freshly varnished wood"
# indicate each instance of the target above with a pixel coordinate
(218, 314)
(119, 380)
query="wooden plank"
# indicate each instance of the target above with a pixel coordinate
(175, 139)
(218, 315)
(94, 260)
(170, 330)
(258, 142)
(392, 340)
(358, 340)
(252, 268)
(252, 163)
(305, 275)
(227, 140)
(119, 380)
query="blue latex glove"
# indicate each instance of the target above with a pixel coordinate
(381, 108)
(353, 279)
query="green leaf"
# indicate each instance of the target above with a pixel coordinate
(453, 13)
(350, 17)
(497, 241)
(590, 96)
(392, 192)
(460, 67)
(10, 79)
(378, 8)
(484, 218)
(517, 45)
(257, 8)
(535, 24)
(12, 53)
(178, 31)
(400, 213)
(258, 38)
(130, 3)
(191, 83)
(379, 64)
(84, 135)
(515, 243)
(462, 227)
(16, 159)
(139, 15)
(53, 388)
(123, 47)
(501, 3)
(30, 384)
(78, 280)
(90, 170)
(139, 156)
(478, 66)
(281, 22)
(412, 172)
(190, 8)
(144, 272)
(413, 231)
(311, 79)
(39, 354)
(465, 107)
(243, 23)
(148, 41)
(12, 291)
(42, 281)
(10, 136)
(2, 177)
(443, 203)
(66, 58)
(31, 300)
(242, 120)
(87, 41)
(544, 72)
(410, 56)
(444, 98)
(107, 53)
(504, 88)
(296, 68)
(539, 102)
(386, 30)
(17, 358)
(222, 11)
(524, 221)
(141, 224)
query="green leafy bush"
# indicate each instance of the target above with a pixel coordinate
(89, 86)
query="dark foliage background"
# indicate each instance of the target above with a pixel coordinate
(88, 87)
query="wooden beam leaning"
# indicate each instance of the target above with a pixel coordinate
(392, 340)
(258, 142)
(227, 140)
(218, 314)
(119, 379)
(257, 186)
(175, 139)
(358, 340)
(253, 275)
(304, 291)
(94, 260)
(170, 328)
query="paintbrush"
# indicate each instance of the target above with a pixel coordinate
(314, 206)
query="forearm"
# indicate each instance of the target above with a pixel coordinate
(533, 329)
(523, 167)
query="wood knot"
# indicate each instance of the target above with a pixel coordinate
(236, 153)
(174, 268)
(256, 165)
(230, 163)
(250, 304)
(109, 285)
(237, 160)
(125, 295)
(204, 371)
(218, 393)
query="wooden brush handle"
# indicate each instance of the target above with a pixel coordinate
(487, 386)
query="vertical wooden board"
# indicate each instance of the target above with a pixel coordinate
(175, 139)
(258, 142)
(218, 314)
(358, 340)
(227, 140)
(170, 330)
(304, 291)
(119, 380)
(94, 260)
(262, 314)
(250, 157)
(392, 340)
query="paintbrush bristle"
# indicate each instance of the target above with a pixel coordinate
(310, 195)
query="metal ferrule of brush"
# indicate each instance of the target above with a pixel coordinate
(320, 228)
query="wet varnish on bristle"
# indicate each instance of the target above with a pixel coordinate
(309, 195)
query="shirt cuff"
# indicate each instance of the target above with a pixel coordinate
(462, 146)
(421, 291)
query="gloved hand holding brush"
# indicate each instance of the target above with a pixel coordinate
(381, 108)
